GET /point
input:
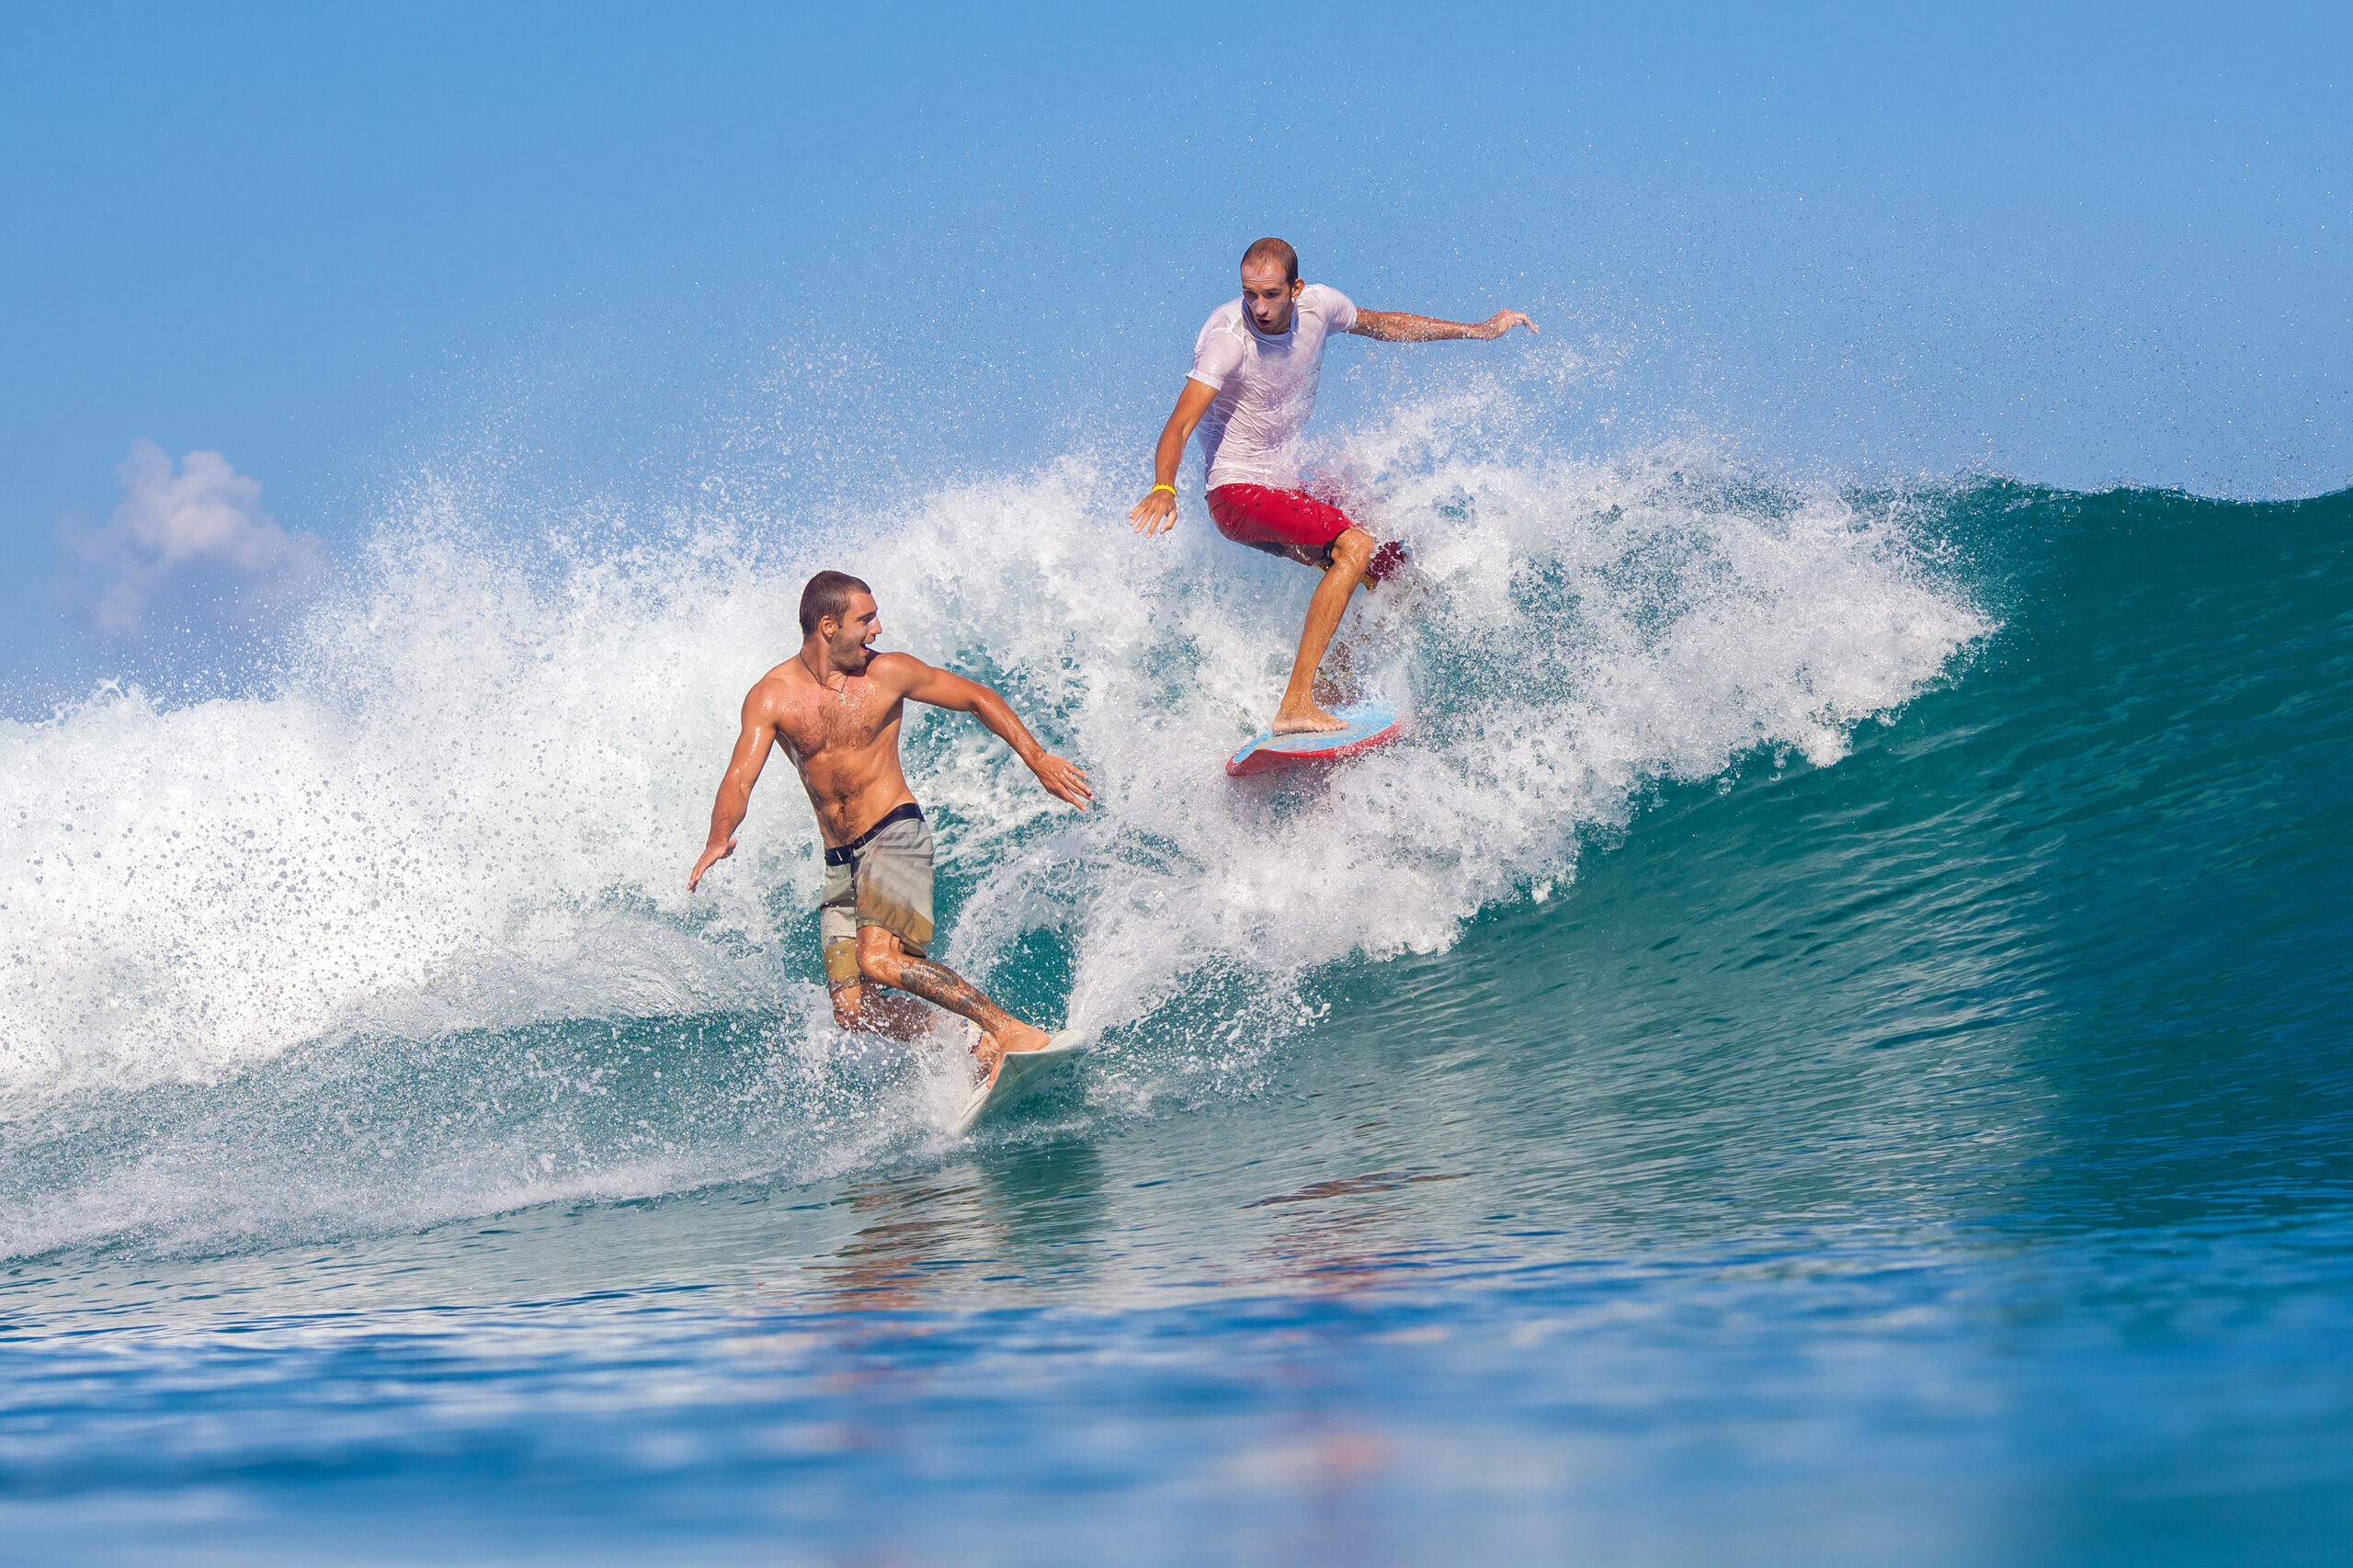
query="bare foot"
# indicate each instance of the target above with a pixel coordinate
(1307, 720)
(993, 1049)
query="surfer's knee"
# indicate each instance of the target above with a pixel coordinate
(1353, 550)
(878, 955)
(849, 1007)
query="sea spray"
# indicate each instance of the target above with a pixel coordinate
(382, 928)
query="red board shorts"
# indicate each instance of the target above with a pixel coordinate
(1277, 520)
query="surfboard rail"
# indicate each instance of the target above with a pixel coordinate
(1023, 1074)
(1369, 725)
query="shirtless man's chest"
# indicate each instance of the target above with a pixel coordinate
(845, 743)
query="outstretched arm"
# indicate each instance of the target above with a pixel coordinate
(1400, 326)
(736, 788)
(945, 688)
(1158, 510)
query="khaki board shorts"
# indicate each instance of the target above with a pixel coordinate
(882, 878)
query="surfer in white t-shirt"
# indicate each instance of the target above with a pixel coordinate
(1255, 369)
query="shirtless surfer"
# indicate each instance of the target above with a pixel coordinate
(835, 708)
(1255, 369)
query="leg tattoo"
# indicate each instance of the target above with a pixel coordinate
(944, 987)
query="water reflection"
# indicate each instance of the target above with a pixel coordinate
(1344, 1235)
(1029, 1216)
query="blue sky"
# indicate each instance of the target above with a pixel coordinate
(338, 245)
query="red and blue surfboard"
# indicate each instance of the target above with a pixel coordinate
(1369, 725)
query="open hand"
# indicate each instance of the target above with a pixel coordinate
(1065, 780)
(1154, 513)
(711, 857)
(1502, 322)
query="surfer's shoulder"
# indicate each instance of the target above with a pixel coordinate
(895, 672)
(780, 677)
(775, 689)
(1322, 300)
(1225, 319)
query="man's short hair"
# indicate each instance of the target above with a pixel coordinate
(827, 594)
(1273, 249)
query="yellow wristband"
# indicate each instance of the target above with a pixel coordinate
(1170, 488)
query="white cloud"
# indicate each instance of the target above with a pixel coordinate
(200, 527)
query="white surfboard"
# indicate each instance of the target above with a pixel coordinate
(1025, 1075)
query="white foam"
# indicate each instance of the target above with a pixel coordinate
(473, 798)
(465, 807)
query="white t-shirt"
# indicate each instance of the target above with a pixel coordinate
(1266, 386)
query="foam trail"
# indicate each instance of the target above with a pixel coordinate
(466, 812)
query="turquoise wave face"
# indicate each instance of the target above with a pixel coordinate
(2066, 946)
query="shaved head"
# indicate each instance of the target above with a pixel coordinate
(1273, 252)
